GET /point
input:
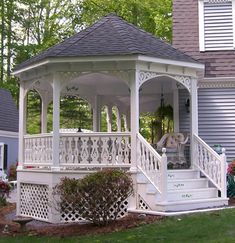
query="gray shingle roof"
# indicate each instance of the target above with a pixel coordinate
(9, 116)
(111, 35)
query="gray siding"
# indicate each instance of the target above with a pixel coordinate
(216, 118)
(12, 152)
(9, 116)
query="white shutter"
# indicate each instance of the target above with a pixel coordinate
(218, 25)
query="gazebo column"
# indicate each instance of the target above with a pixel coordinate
(194, 115)
(109, 118)
(119, 120)
(96, 114)
(176, 109)
(56, 122)
(134, 120)
(22, 123)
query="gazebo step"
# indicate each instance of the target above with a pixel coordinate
(181, 184)
(191, 204)
(191, 194)
(183, 174)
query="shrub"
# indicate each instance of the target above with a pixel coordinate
(12, 173)
(231, 168)
(4, 192)
(95, 195)
(230, 180)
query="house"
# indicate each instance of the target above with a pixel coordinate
(9, 121)
(114, 63)
(204, 29)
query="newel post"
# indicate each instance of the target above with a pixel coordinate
(223, 174)
(164, 176)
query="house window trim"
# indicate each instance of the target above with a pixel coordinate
(201, 27)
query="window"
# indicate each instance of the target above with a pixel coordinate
(216, 25)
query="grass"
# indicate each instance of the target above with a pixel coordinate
(218, 226)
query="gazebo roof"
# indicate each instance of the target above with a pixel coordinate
(110, 36)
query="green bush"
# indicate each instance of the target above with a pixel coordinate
(97, 197)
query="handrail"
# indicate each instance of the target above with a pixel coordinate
(211, 164)
(95, 134)
(152, 165)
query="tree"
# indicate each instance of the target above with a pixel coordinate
(153, 16)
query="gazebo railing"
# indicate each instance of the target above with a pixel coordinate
(38, 149)
(152, 165)
(95, 149)
(79, 150)
(211, 164)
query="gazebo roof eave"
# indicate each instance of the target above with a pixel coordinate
(117, 58)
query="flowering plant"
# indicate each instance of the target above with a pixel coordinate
(4, 192)
(231, 168)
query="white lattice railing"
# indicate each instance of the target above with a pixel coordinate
(211, 164)
(95, 149)
(38, 150)
(152, 165)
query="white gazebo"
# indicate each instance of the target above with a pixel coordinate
(113, 63)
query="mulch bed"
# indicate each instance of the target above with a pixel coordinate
(71, 229)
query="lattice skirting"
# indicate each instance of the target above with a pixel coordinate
(34, 200)
(68, 215)
(142, 204)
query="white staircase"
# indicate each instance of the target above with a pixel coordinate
(186, 190)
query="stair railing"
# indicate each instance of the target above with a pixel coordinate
(211, 164)
(152, 165)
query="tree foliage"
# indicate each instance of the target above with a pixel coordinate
(28, 27)
(153, 16)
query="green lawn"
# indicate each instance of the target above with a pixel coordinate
(218, 226)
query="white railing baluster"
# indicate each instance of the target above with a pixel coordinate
(38, 150)
(96, 149)
(212, 165)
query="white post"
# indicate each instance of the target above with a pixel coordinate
(223, 174)
(22, 123)
(56, 122)
(176, 109)
(109, 118)
(164, 176)
(134, 86)
(119, 121)
(44, 115)
(96, 114)
(194, 116)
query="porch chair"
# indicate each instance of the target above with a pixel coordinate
(174, 144)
